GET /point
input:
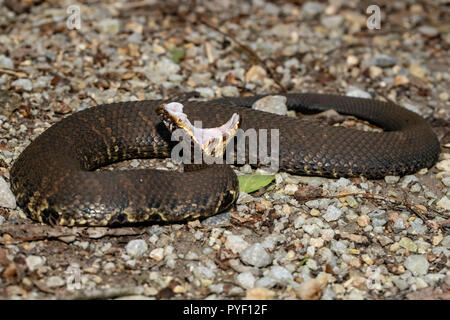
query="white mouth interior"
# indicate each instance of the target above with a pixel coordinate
(207, 138)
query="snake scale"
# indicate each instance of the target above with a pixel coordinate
(55, 181)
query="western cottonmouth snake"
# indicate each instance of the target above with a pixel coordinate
(54, 181)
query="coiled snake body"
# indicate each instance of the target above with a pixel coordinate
(54, 181)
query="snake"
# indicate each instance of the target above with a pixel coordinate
(56, 181)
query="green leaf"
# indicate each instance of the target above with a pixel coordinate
(252, 182)
(177, 54)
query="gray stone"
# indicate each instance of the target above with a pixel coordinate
(6, 62)
(221, 218)
(332, 22)
(400, 283)
(135, 38)
(444, 203)
(312, 9)
(446, 242)
(265, 282)
(54, 282)
(23, 84)
(378, 218)
(34, 262)
(358, 93)
(246, 280)
(338, 246)
(191, 256)
(399, 225)
(235, 243)
(381, 60)
(446, 181)
(299, 221)
(417, 264)
(428, 31)
(230, 91)
(136, 248)
(391, 179)
(280, 274)
(333, 213)
(111, 26)
(272, 104)
(256, 255)
(7, 199)
(417, 227)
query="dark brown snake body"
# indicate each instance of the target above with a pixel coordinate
(54, 181)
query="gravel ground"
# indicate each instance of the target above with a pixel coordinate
(274, 244)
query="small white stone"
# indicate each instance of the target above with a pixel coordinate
(246, 280)
(333, 213)
(157, 254)
(7, 199)
(136, 248)
(272, 104)
(55, 281)
(444, 203)
(235, 243)
(34, 262)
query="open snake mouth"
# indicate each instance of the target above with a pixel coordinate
(212, 141)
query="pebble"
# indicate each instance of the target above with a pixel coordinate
(110, 26)
(446, 181)
(399, 225)
(446, 242)
(375, 72)
(6, 62)
(7, 199)
(256, 255)
(333, 213)
(246, 280)
(338, 247)
(272, 104)
(391, 179)
(280, 274)
(378, 218)
(358, 93)
(407, 243)
(428, 31)
(443, 165)
(332, 22)
(136, 248)
(191, 256)
(444, 203)
(312, 9)
(417, 227)
(221, 218)
(236, 243)
(381, 60)
(157, 254)
(2, 220)
(299, 221)
(34, 262)
(265, 282)
(54, 282)
(23, 84)
(230, 91)
(417, 264)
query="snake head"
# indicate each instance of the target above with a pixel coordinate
(212, 141)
